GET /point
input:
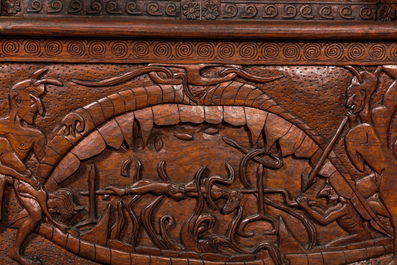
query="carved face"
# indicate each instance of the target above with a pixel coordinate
(355, 96)
(328, 192)
(359, 94)
(29, 104)
(232, 202)
(61, 205)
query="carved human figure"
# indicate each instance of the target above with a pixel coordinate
(179, 192)
(342, 211)
(18, 138)
(368, 186)
(367, 142)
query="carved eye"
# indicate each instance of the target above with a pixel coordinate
(33, 100)
(362, 92)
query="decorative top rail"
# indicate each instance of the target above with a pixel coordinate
(206, 9)
(243, 30)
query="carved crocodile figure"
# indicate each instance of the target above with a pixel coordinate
(105, 123)
(106, 255)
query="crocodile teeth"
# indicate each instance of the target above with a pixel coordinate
(275, 128)
(90, 146)
(145, 120)
(69, 164)
(255, 121)
(112, 134)
(126, 123)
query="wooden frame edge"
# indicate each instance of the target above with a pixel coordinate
(261, 30)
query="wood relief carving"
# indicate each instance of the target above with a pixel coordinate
(207, 9)
(193, 163)
(198, 132)
(137, 51)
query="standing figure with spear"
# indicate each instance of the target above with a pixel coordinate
(367, 141)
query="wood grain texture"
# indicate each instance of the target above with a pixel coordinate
(296, 30)
(270, 139)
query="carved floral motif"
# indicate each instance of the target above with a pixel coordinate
(192, 10)
(207, 9)
(210, 10)
(12, 6)
(387, 13)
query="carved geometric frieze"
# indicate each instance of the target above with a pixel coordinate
(206, 9)
(160, 51)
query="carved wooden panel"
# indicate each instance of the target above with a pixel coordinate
(369, 10)
(220, 143)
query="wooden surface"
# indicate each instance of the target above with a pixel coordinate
(224, 29)
(198, 132)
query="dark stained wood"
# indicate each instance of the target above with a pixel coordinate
(295, 30)
(198, 132)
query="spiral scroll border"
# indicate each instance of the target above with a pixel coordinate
(246, 52)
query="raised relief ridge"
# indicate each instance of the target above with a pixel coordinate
(193, 163)
(206, 9)
(136, 51)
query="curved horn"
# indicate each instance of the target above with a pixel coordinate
(355, 72)
(48, 81)
(38, 73)
(378, 71)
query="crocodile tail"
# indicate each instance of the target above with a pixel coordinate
(106, 255)
(91, 251)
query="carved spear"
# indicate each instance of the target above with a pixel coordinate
(307, 180)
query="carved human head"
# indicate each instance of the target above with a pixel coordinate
(328, 192)
(61, 205)
(25, 96)
(359, 92)
(233, 202)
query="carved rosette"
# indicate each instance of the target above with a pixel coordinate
(11, 6)
(205, 9)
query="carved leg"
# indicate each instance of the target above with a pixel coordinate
(378, 208)
(41, 197)
(26, 228)
(3, 183)
(388, 199)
